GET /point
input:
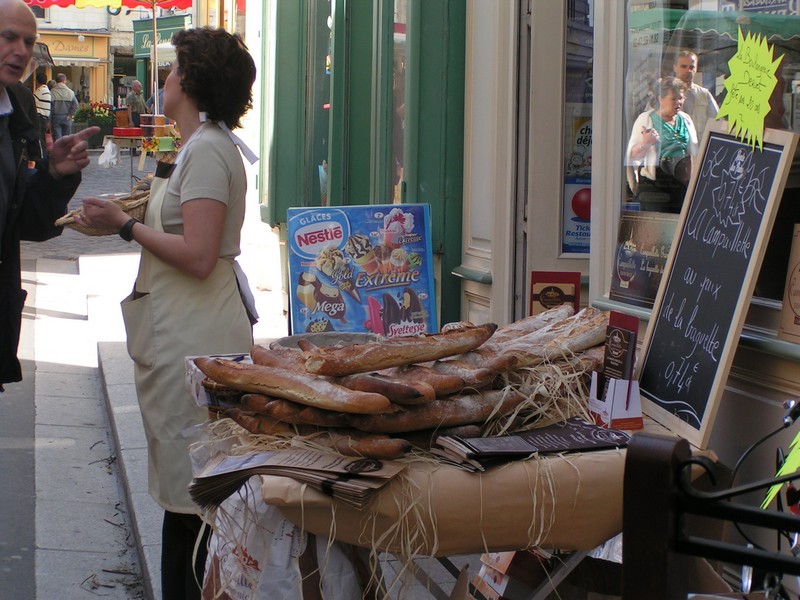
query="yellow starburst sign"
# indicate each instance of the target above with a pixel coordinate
(751, 83)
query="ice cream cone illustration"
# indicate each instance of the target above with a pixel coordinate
(359, 247)
(331, 262)
(399, 260)
(383, 255)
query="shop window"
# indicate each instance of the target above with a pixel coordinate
(667, 40)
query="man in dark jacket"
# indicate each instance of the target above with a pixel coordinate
(32, 195)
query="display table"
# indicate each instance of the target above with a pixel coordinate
(569, 502)
(130, 142)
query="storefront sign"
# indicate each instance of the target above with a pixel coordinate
(778, 7)
(70, 45)
(362, 269)
(165, 27)
(709, 279)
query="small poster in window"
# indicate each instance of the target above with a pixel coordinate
(554, 288)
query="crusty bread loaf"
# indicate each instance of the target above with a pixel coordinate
(257, 423)
(292, 385)
(285, 358)
(298, 414)
(398, 390)
(444, 384)
(463, 409)
(395, 352)
(352, 442)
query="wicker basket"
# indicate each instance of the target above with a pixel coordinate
(134, 205)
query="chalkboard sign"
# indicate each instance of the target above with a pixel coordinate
(709, 278)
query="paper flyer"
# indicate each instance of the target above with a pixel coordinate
(362, 269)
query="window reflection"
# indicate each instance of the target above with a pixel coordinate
(694, 47)
(398, 98)
(578, 128)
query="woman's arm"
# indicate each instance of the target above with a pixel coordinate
(194, 253)
(643, 137)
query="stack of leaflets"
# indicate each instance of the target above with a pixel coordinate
(573, 435)
(349, 479)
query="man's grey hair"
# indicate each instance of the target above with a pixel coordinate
(61, 78)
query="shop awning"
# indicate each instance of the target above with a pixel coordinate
(713, 35)
(706, 23)
(70, 61)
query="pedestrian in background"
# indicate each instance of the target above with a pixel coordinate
(30, 200)
(187, 299)
(135, 103)
(43, 101)
(63, 106)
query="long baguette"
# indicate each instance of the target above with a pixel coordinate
(299, 387)
(463, 409)
(285, 358)
(533, 323)
(352, 442)
(298, 414)
(399, 391)
(256, 423)
(474, 377)
(444, 384)
(396, 351)
(579, 332)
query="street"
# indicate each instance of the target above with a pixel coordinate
(65, 530)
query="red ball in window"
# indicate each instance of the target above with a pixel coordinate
(582, 203)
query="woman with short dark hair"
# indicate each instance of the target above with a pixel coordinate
(187, 299)
(662, 144)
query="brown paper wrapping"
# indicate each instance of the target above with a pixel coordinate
(572, 502)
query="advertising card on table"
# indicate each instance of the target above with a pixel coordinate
(362, 269)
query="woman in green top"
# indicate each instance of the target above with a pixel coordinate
(660, 149)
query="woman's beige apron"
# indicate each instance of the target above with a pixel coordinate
(171, 315)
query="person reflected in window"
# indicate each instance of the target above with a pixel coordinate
(660, 150)
(698, 102)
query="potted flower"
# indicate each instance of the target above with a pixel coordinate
(94, 113)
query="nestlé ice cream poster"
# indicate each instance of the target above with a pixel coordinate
(362, 269)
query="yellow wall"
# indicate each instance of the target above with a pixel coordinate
(66, 46)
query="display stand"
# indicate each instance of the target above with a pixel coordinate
(130, 142)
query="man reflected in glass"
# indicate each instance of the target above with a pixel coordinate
(698, 102)
(660, 150)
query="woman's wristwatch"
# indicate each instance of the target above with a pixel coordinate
(126, 232)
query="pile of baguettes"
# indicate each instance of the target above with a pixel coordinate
(380, 398)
